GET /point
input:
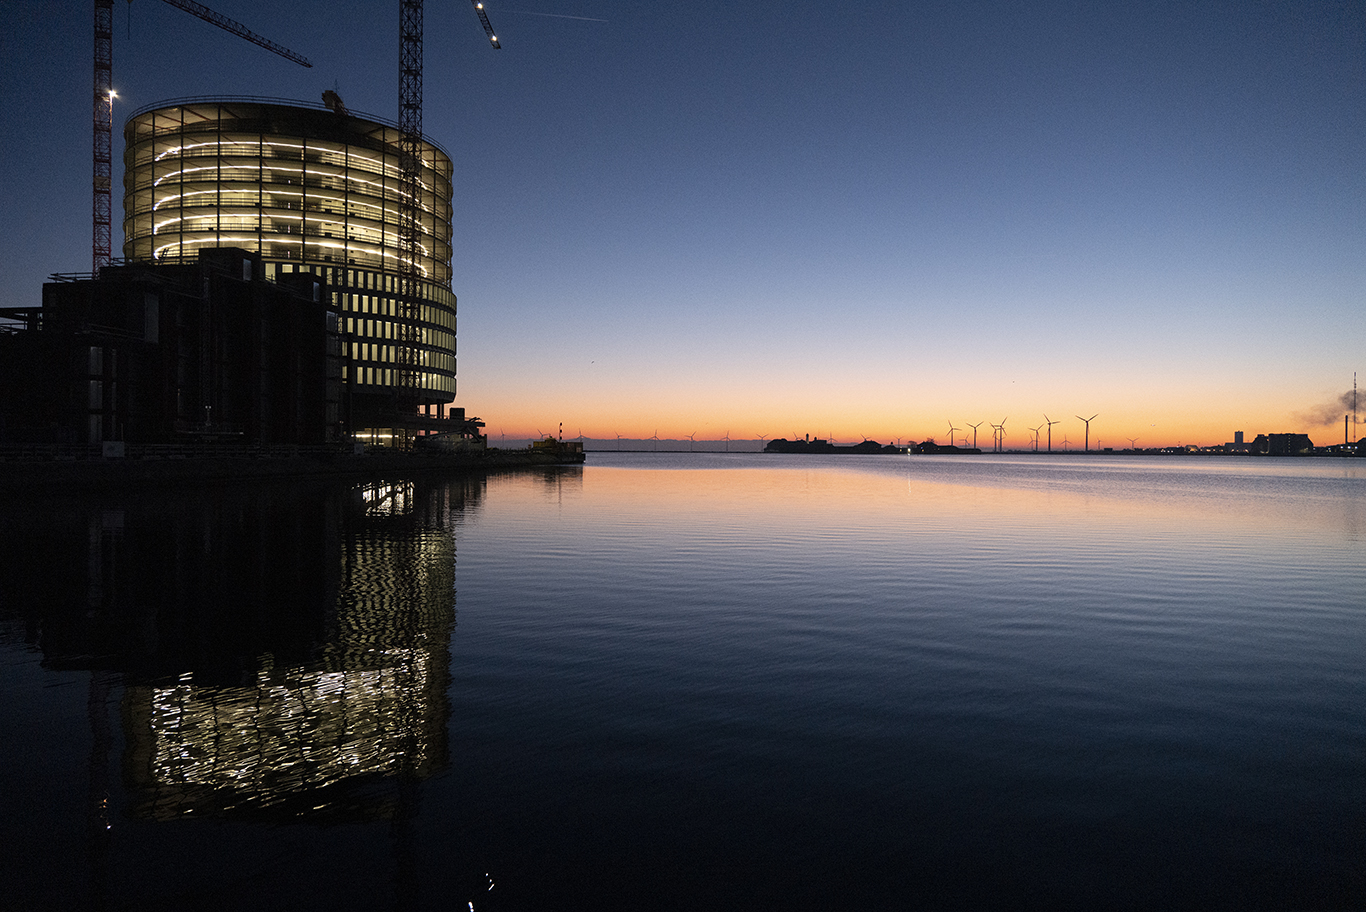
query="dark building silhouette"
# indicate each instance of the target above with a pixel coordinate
(783, 445)
(1282, 445)
(170, 353)
(930, 447)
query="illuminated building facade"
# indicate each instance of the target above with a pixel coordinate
(309, 189)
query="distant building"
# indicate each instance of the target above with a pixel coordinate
(1282, 445)
(930, 447)
(1346, 449)
(1238, 445)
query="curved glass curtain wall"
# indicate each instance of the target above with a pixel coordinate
(310, 190)
(369, 305)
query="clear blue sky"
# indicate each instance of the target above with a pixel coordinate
(849, 217)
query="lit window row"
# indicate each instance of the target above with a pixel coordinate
(385, 376)
(349, 157)
(270, 177)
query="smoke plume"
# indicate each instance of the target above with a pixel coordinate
(1331, 412)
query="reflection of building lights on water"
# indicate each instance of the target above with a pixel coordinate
(309, 728)
(331, 735)
(327, 698)
(387, 499)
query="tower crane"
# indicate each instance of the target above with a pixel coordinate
(408, 352)
(104, 105)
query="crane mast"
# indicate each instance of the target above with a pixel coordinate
(104, 128)
(409, 350)
(104, 107)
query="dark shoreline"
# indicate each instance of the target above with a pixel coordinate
(189, 470)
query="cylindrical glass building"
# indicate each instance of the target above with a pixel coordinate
(310, 189)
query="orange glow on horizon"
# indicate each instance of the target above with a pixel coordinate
(891, 401)
(1113, 430)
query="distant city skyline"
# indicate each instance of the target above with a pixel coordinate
(759, 219)
(755, 444)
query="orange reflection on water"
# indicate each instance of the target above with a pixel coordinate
(1202, 499)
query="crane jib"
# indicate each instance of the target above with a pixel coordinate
(237, 28)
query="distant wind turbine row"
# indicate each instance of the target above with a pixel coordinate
(998, 435)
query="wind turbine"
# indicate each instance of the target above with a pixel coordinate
(1064, 442)
(1000, 435)
(974, 432)
(763, 440)
(618, 443)
(1088, 430)
(1050, 431)
(951, 430)
(1133, 443)
(690, 440)
(727, 440)
(1035, 431)
(655, 438)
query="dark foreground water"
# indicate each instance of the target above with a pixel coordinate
(694, 682)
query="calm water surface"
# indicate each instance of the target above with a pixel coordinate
(669, 681)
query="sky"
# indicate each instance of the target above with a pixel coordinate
(844, 219)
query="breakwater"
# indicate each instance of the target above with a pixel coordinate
(77, 467)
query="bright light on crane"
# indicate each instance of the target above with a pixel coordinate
(484, 21)
(102, 177)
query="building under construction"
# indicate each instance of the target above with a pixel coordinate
(314, 199)
(205, 351)
(311, 189)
